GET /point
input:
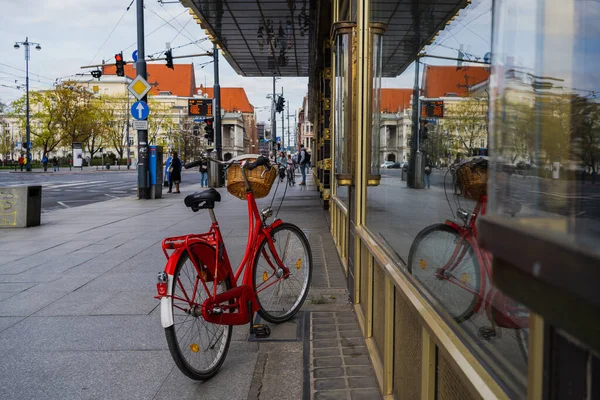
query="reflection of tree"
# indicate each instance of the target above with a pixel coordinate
(585, 131)
(5, 142)
(466, 120)
(521, 122)
(436, 144)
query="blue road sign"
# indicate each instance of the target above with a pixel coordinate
(199, 119)
(134, 56)
(140, 110)
(487, 57)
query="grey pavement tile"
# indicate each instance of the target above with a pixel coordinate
(85, 333)
(6, 295)
(232, 382)
(128, 302)
(354, 351)
(118, 281)
(30, 277)
(328, 372)
(359, 370)
(332, 395)
(7, 322)
(6, 287)
(365, 394)
(77, 375)
(66, 283)
(327, 352)
(327, 362)
(353, 342)
(330, 384)
(79, 302)
(26, 303)
(357, 360)
(319, 344)
(283, 366)
(362, 382)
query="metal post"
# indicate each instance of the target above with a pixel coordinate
(273, 122)
(282, 121)
(143, 178)
(415, 176)
(288, 132)
(27, 127)
(127, 112)
(217, 113)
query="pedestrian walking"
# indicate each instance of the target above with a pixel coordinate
(427, 175)
(167, 165)
(55, 163)
(174, 173)
(290, 171)
(304, 159)
(45, 163)
(204, 173)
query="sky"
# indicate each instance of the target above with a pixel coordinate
(73, 33)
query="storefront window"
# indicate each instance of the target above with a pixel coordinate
(377, 31)
(429, 224)
(342, 111)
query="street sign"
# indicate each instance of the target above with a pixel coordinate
(139, 87)
(140, 125)
(200, 107)
(487, 57)
(134, 56)
(199, 119)
(140, 110)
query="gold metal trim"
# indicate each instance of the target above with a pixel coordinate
(340, 205)
(373, 180)
(326, 194)
(472, 373)
(327, 133)
(375, 357)
(327, 164)
(327, 72)
(343, 179)
(388, 337)
(427, 366)
(341, 28)
(378, 28)
(535, 370)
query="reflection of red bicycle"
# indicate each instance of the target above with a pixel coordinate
(447, 260)
(200, 295)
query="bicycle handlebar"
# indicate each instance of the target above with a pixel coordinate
(261, 160)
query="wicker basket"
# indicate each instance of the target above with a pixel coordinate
(472, 179)
(260, 186)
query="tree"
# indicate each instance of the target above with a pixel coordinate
(466, 120)
(43, 119)
(521, 123)
(76, 112)
(585, 131)
(5, 142)
(109, 124)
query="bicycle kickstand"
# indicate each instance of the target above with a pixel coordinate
(260, 331)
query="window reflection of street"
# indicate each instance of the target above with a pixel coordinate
(398, 213)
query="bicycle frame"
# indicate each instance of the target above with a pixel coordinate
(240, 300)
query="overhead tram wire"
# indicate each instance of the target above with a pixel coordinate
(30, 73)
(200, 47)
(173, 19)
(486, 11)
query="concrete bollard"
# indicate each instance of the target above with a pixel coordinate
(20, 207)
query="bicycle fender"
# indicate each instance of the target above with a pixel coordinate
(166, 304)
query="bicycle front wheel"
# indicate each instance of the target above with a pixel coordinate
(279, 296)
(447, 266)
(198, 347)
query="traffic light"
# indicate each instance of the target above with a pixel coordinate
(120, 64)
(97, 74)
(209, 130)
(196, 130)
(169, 57)
(280, 104)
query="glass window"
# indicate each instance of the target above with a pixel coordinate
(342, 113)
(433, 183)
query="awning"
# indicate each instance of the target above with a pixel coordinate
(274, 37)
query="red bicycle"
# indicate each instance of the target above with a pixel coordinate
(201, 297)
(448, 261)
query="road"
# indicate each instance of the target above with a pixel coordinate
(67, 189)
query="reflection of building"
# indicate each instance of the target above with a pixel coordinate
(263, 141)
(395, 124)
(305, 126)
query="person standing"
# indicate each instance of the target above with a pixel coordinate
(427, 175)
(167, 165)
(21, 162)
(45, 163)
(204, 173)
(54, 163)
(174, 173)
(303, 161)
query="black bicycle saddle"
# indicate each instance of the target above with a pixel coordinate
(200, 200)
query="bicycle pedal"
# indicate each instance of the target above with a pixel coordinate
(261, 331)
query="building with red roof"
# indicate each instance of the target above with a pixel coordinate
(448, 80)
(180, 81)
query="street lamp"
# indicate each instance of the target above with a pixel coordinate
(26, 44)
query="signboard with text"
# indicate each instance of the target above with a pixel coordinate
(432, 109)
(200, 107)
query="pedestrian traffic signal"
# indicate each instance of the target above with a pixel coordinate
(120, 64)
(97, 74)
(280, 104)
(209, 130)
(169, 57)
(196, 130)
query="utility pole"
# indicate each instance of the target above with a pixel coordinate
(143, 170)
(27, 49)
(415, 177)
(288, 133)
(217, 113)
(273, 122)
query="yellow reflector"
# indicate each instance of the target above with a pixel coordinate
(422, 264)
(203, 274)
(194, 347)
(464, 278)
(299, 263)
(265, 276)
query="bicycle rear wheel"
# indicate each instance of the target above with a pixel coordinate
(432, 250)
(279, 297)
(198, 347)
